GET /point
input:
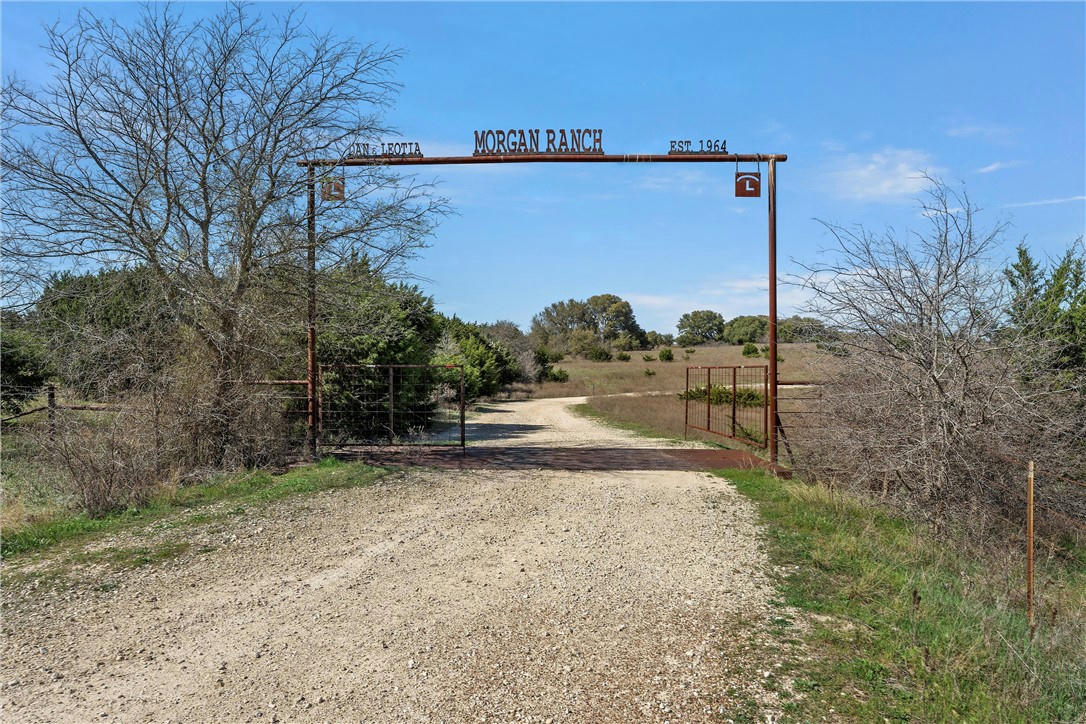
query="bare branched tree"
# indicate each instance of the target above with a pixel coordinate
(174, 146)
(936, 390)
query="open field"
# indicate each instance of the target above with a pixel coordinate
(607, 378)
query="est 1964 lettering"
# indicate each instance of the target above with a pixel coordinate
(701, 145)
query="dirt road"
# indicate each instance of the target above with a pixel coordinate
(498, 595)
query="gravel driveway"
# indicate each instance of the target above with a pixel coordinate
(498, 595)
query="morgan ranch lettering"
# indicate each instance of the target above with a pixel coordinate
(533, 140)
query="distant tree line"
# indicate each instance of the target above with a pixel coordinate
(597, 327)
(706, 326)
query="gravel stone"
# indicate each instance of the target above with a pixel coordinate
(635, 578)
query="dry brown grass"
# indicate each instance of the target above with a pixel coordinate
(608, 378)
(657, 415)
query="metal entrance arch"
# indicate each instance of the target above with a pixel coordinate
(312, 165)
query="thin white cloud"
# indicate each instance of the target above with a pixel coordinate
(1046, 202)
(936, 213)
(689, 182)
(777, 131)
(999, 166)
(892, 174)
(991, 132)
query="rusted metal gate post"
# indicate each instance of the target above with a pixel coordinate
(771, 428)
(686, 404)
(765, 407)
(391, 397)
(709, 398)
(551, 157)
(1029, 547)
(734, 370)
(311, 315)
(463, 436)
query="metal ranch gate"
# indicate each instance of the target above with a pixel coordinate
(391, 404)
(730, 401)
(747, 183)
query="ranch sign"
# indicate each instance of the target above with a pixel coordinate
(535, 145)
(519, 140)
(401, 149)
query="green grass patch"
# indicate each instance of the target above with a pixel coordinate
(908, 626)
(252, 488)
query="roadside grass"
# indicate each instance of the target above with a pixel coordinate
(238, 490)
(901, 624)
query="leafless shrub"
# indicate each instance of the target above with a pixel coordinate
(109, 461)
(936, 396)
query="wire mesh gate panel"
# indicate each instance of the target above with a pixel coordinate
(391, 404)
(730, 401)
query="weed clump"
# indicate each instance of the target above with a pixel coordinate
(557, 374)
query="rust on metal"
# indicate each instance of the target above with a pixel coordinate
(745, 420)
(463, 409)
(333, 188)
(311, 314)
(546, 158)
(734, 391)
(686, 405)
(748, 183)
(1029, 547)
(398, 404)
(771, 411)
(533, 150)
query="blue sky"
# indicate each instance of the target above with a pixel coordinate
(861, 97)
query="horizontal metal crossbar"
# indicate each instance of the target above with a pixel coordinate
(548, 158)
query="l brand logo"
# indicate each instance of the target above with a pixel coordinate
(748, 183)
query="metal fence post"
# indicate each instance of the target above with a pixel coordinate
(391, 397)
(709, 399)
(311, 314)
(1029, 547)
(320, 405)
(765, 414)
(686, 405)
(463, 436)
(734, 371)
(771, 414)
